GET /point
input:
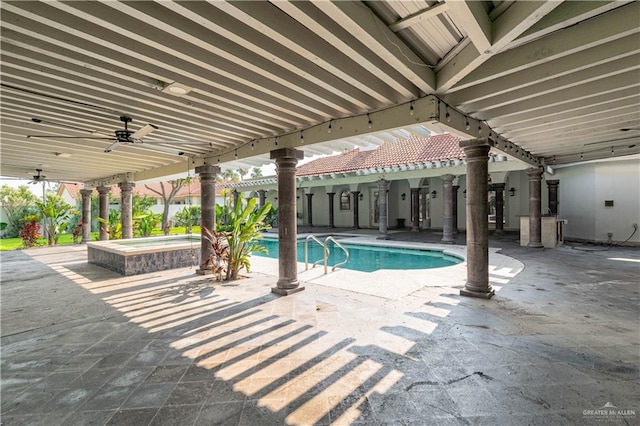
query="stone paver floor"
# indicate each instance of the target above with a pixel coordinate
(83, 346)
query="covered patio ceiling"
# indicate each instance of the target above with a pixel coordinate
(227, 82)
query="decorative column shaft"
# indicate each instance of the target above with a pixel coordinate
(86, 214)
(309, 209)
(535, 207)
(208, 176)
(477, 285)
(356, 210)
(499, 190)
(447, 206)
(286, 160)
(454, 202)
(126, 212)
(383, 184)
(263, 197)
(426, 220)
(552, 187)
(415, 209)
(236, 194)
(103, 193)
(331, 217)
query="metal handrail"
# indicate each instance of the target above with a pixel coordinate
(325, 250)
(346, 252)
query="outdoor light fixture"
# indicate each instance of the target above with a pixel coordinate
(464, 193)
(361, 196)
(403, 196)
(434, 193)
(176, 89)
(512, 191)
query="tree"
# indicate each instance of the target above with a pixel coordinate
(18, 203)
(167, 196)
(256, 172)
(188, 217)
(229, 175)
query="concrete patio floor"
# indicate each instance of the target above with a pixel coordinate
(82, 345)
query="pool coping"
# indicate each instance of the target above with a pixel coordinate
(117, 247)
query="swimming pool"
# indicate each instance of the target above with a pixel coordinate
(369, 258)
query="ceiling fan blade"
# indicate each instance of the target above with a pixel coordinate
(159, 148)
(53, 123)
(141, 133)
(69, 137)
(111, 147)
(179, 143)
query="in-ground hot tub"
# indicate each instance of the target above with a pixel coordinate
(142, 255)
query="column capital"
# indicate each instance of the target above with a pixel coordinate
(552, 183)
(415, 190)
(535, 173)
(86, 192)
(207, 169)
(448, 178)
(126, 186)
(103, 190)
(331, 193)
(496, 187)
(286, 153)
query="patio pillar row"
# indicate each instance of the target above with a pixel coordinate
(86, 214)
(415, 209)
(126, 212)
(454, 201)
(309, 209)
(552, 187)
(356, 209)
(208, 176)
(535, 207)
(477, 285)
(447, 205)
(286, 160)
(263, 197)
(103, 194)
(498, 188)
(383, 185)
(332, 223)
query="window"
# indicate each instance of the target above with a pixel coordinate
(345, 200)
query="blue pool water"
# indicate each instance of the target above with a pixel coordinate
(368, 258)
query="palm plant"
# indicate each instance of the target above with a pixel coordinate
(55, 214)
(246, 223)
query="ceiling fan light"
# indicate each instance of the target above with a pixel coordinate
(176, 89)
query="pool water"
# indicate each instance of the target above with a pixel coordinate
(368, 258)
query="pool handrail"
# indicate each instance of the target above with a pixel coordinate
(325, 250)
(346, 252)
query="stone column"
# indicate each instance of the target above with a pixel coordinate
(309, 209)
(426, 220)
(331, 217)
(552, 187)
(535, 207)
(477, 285)
(208, 176)
(236, 195)
(447, 206)
(103, 193)
(454, 201)
(286, 160)
(126, 209)
(415, 209)
(499, 190)
(263, 197)
(86, 214)
(383, 184)
(356, 210)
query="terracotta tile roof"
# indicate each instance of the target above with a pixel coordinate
(401, 151)
(71, 188)
(192, 189)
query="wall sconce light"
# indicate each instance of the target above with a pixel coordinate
(403, 196)
(361, 196)
(434, 193)
(275, 198)
(464, 193)
(512, 192)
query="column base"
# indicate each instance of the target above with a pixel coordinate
(447, 241)
(498, 231)
(286, 291)
(479, 294)
(206, 271)
(535, 245)
(382, 237)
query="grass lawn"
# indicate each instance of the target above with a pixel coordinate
(7, 244)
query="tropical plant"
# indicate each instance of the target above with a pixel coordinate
(141, 203)
(222, 217)
(144, 223)
(246, 223)
(112, 225)
(17, 203)
(167, 195)
(30, 231)
(77, 233)
(256, 172)
(219, 258)
(188, 217)
(55, 216)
